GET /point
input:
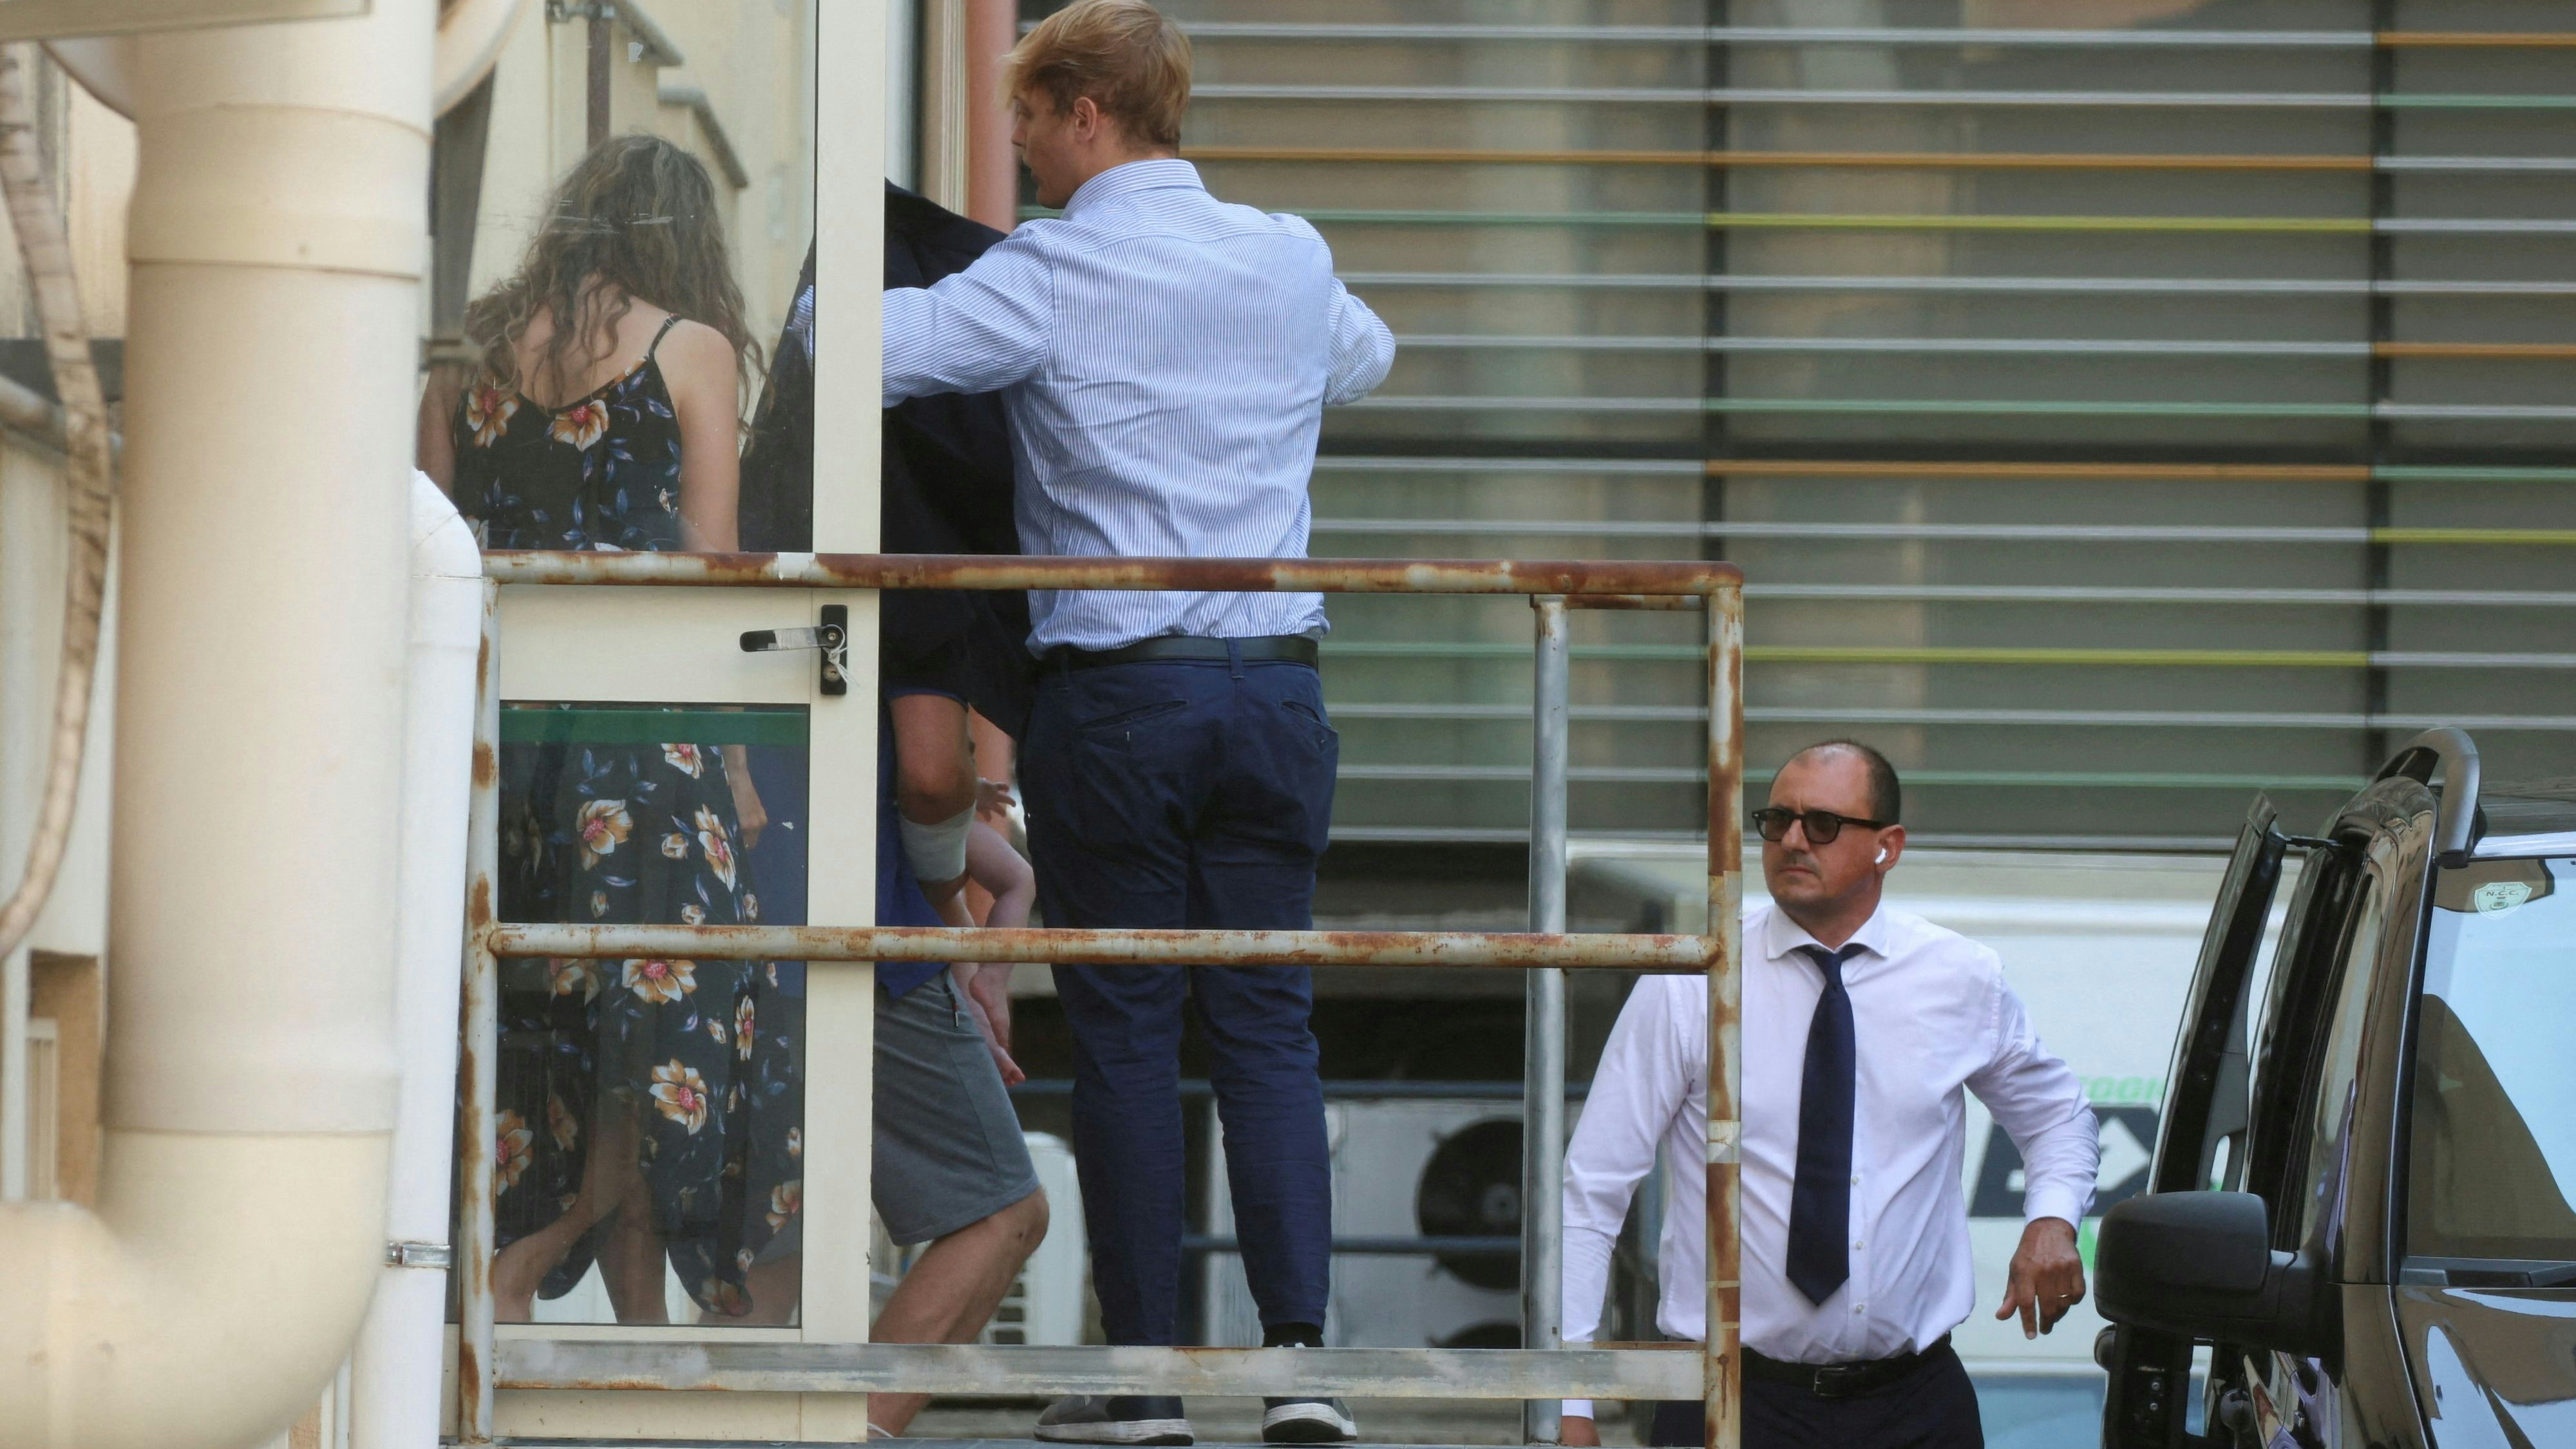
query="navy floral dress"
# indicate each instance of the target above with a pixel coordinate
(693, 1067)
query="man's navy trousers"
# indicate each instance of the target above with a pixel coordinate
(1196, 793)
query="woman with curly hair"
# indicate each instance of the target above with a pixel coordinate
(648, 1109)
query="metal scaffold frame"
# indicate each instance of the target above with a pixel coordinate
(1540, 1372)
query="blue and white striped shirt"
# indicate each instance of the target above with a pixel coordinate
(1166, 359)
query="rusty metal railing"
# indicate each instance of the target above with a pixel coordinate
(1540, 1372)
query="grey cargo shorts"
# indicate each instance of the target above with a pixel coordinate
(949, 1153)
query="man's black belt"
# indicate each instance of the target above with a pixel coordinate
(1842, 1380)
(1260, 649)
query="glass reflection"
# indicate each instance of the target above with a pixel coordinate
(650, 1113)
(617, 210)
(2492, 1158)
(601, 400)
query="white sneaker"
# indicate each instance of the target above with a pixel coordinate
(1307, 1421)
(1087, 1419)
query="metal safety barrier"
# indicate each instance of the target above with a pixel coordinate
(1540, 1372)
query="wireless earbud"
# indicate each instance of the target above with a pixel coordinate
(1882, 857)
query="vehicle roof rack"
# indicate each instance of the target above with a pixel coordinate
(2456, 755)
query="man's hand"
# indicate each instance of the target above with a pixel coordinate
(1576, 1433)
(2047, 1276)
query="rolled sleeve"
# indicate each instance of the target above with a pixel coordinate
(1363, 349)
(2039, 1102)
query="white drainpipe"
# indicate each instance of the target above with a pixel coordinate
(394, 1373)
(278, 244)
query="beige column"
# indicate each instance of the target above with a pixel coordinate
(277, 240)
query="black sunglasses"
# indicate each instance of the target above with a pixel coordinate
(1822, 825)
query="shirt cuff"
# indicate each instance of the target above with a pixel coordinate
(2053, 1200)
(1576, 1409)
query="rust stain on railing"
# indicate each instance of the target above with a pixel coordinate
(1415, 949)
(1590, 578)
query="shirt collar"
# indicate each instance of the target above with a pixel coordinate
(1783, 936)
(1126, 179)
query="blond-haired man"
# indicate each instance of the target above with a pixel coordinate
(1166, 360)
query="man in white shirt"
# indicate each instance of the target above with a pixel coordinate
(1861, 1026)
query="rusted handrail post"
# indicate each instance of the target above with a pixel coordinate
(478, 1070)
(1543, 1012)
(1724, 1366)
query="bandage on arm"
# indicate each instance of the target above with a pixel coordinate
(937, 851)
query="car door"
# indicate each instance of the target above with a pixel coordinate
(2200, 1143)
(2319, 1145)
(2298, 1152)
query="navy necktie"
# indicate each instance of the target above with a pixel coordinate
(1820, 1199)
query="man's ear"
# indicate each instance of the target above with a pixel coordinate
(1891, 845)
(1084, 113)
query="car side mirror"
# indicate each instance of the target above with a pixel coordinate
(2200, 1265)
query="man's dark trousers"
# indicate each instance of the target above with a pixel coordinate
(1193, 793)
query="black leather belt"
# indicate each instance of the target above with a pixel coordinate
(1843, 1380)
(1261, 649)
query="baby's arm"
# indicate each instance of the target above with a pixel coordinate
(994, 865)
(985, 989)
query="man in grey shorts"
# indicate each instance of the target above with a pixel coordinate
(950, 1167)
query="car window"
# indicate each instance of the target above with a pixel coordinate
(2492, 1132)
(2326, 1113)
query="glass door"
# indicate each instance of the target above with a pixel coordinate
(657, 264)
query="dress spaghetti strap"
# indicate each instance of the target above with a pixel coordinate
(667, 324)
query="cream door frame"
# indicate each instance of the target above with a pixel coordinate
(657, 645)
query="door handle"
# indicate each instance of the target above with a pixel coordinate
(832, 637)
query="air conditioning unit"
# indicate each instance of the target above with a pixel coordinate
(1403, 1170)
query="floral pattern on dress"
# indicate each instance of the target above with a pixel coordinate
(561, 1124)
(678, 1058)
(604, 826)
(680, 1094)
(581, 425)
(717, 842)
(706, 1071)
(513, 1151)
(659, 981)
(488, 411)
(568, 976)
(600, 473)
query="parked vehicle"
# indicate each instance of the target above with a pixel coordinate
(2367, 1218)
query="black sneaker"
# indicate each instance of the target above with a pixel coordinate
(1087, 1419)
(1307, 1421)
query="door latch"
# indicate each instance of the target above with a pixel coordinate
(832, 637)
